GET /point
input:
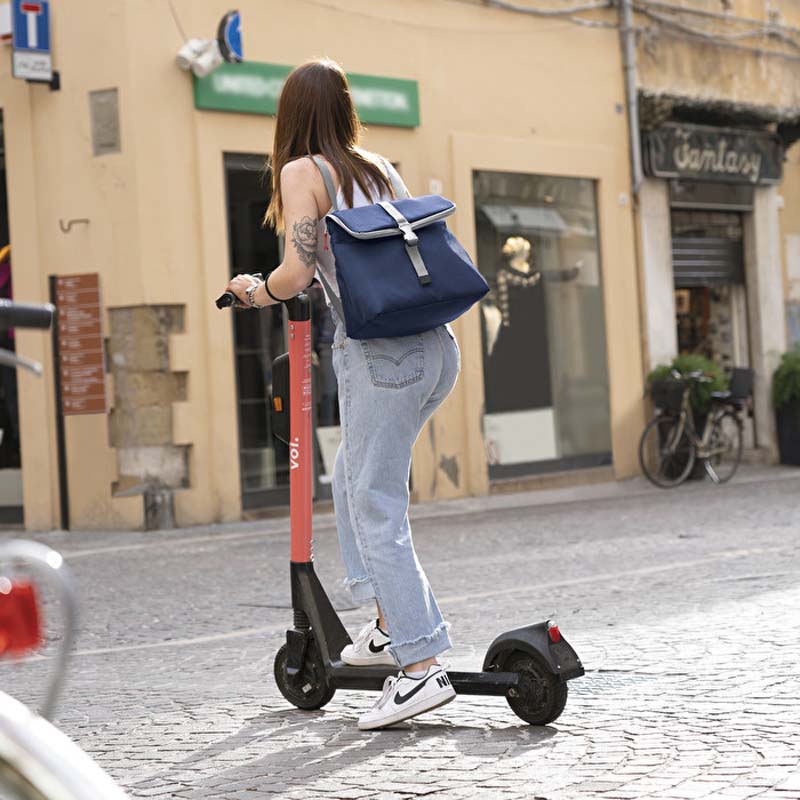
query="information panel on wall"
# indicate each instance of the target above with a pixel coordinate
(80, 344)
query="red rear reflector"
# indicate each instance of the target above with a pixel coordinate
(553, 632)
(20, 627)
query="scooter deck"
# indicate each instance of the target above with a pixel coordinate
(344, 676)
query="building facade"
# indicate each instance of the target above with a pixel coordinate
(153, 182)
(718, 216)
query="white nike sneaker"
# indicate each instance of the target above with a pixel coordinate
(369, 648)
(404, 697)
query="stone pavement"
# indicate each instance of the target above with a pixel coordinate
(684, 605)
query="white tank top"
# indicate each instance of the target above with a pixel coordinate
(325, 260)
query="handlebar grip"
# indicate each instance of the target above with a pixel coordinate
(229, 298)
(226, 300)
(25, 315)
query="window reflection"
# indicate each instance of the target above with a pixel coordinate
(546, 382)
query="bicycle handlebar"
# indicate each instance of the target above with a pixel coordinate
(25, 315)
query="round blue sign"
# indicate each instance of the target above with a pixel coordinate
(229, 36)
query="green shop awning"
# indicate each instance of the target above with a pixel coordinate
(253, 87)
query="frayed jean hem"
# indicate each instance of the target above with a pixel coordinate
(424, 647)
(360, 590)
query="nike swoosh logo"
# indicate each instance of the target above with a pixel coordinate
(374, 649)
(399, 699)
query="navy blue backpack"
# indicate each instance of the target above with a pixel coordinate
(400, 271)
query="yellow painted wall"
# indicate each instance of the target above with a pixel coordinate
(790, 228)
(724, 69)
(497, 91)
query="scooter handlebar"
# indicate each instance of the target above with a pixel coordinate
(228, 299)
(25, 315)
(298, 307)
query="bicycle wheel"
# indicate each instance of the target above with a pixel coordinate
(14, 785)
(665, 457)
(724, 448)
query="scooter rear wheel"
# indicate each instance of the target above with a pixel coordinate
(541, 696)
(308, 690)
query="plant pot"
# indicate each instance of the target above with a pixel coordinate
(788, 420)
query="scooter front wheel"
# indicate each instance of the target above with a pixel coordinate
(540, 696)
(310, 688)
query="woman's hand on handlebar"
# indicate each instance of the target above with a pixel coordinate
(239, 285)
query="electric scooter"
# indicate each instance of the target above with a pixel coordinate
(529, 666)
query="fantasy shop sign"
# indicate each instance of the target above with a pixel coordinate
(713, 154)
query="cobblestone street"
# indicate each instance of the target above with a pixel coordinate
(684, 605)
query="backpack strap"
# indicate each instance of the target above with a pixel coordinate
(327, 179)
(399, 188)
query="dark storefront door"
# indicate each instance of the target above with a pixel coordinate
(259, 337)
(710, 296)
(710, 290)
(10, 452)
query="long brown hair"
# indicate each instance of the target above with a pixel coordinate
(316, 115)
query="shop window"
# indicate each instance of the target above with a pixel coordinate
(543, 326)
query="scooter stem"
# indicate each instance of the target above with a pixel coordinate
(301, 467)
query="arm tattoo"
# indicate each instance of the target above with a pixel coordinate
(304, 239)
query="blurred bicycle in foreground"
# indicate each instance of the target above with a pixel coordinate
(37, 761)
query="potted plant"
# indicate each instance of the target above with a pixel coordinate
(786, 399)
(700, 396)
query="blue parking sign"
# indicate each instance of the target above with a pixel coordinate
(30, 22)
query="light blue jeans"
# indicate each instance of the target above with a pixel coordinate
(388, 388)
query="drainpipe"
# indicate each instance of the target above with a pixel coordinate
(627, 38)
(628, 42)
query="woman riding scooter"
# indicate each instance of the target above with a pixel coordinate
(388, 388)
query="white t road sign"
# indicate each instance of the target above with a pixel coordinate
(32, 59)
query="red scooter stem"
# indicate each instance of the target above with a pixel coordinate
(301, 467)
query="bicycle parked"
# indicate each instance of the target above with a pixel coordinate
(671, 443)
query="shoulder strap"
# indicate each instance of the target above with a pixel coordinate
(400, 189)
(331, 189)
(328, 180)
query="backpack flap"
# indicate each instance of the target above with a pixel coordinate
(374, 221)
(400, 218)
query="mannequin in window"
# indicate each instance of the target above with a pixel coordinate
(515, 271)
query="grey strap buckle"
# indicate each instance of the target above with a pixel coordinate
(411, 239)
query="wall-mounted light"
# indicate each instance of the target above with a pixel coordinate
(203, 56)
